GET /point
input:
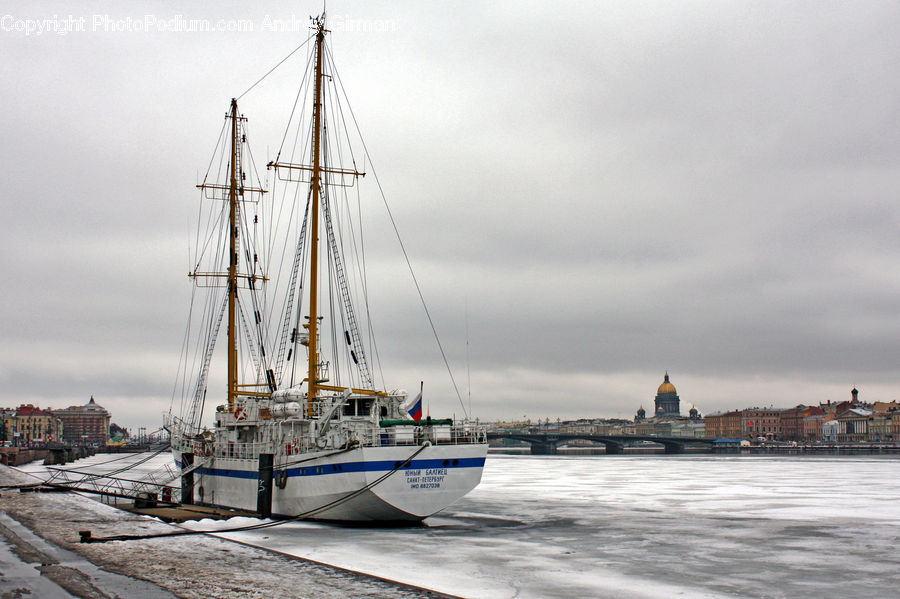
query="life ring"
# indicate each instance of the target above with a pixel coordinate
(240, 414)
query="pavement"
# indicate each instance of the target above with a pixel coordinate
(33, 567)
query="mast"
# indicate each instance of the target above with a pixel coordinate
(233, 191)
(317, 378)
(313, 324)
(233, 263)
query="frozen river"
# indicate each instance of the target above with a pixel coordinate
(648, 526)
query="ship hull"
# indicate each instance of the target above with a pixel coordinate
(365, 484)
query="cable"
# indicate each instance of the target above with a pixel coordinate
(275, 67)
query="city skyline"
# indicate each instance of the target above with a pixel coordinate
(589, 197)
(851, 396)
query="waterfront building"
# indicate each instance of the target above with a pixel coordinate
(688, 427)
(759, 423)
(643, 427)
(853, 425)
(880, 428)
(87, 424)
(833, 409)
(801, 423)
(578, 427)
(792, 423)
(28, 425)
(667, 401)
(830, 431)
(6, 422)
(724, 425)
(812, 424)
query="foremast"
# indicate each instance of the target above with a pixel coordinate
(233, 192)
(233, 262)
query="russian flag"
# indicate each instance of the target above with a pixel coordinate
(416, 409)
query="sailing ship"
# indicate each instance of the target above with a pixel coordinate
(318, 440)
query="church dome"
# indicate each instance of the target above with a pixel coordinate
(93, 406)
(666, 386)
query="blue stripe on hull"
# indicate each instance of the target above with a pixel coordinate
(340, 468)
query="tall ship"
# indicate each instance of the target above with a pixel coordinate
(303, 430)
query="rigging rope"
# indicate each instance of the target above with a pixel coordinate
(258, 81)
(412, 273)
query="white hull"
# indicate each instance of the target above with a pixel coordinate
(345, 486)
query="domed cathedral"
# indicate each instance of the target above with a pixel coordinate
(667, 402)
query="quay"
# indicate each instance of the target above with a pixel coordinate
(41, 556)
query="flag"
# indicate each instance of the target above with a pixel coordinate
(415, 409)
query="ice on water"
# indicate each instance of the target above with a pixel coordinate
(648, 526)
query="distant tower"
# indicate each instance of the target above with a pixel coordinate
(854, 394)
(641, 415)
(667, 402)
(695, 414)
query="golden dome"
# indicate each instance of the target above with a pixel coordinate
(666, 386)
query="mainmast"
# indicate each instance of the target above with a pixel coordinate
(317, 378)
(313, 324)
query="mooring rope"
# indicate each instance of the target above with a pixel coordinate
(86, 536)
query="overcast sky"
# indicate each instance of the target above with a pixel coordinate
(599, 191)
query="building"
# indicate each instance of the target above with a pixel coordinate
(880, 428)
(885, 406)
(833, 409)
(688, 427)
(28, 425)
(853, 425)
(7, 421)
(792, 423)
(641, 415)
(761, 423)
(85, 425)
(724, 425)
(667, 401)
(801, 423)
(812, 424)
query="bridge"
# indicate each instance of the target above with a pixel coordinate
(547, 443)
